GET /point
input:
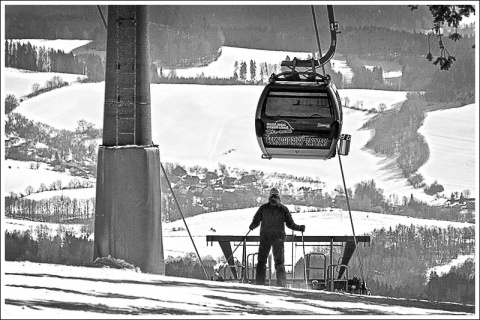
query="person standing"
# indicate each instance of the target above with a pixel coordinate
(273, 217)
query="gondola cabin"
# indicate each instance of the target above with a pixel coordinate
(299, 119)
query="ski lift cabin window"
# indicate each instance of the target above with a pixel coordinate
(298, 120)
(299, 105)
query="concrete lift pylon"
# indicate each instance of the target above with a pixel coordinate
(127, 213)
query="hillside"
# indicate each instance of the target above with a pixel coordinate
(234, 105)
(227, 110)
(55, 291)
(236, 222)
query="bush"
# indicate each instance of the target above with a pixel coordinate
(434, 189)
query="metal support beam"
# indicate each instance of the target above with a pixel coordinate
(289, 238)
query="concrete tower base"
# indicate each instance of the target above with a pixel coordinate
(127, 214)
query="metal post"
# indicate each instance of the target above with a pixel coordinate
(304, 264)
(244, 261)
(270, 270)
(293, 261)
(331, 268)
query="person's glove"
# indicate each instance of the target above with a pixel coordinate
(251, 228)
(302, 228)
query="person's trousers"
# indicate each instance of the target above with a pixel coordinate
(276, 243)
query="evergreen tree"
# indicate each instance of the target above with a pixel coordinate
(235, 71)
(243, 71)
(11, 103)
(253, 70)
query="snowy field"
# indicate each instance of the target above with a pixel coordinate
(450, 135)
(444, 269)
(236, 222)
(196, 125)
(50, 291)
(224, 66)
(17, 176)
(19, 82)
(58, 44)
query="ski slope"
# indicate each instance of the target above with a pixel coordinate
(17, 176)
(224, 66)
(48, 291)
(19, 82)
(450, 135)
(65, 45)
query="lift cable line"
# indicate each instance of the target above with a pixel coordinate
(181, 213)
(338, 152)
(351, 219)
(101, 15)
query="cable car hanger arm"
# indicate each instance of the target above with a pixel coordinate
(333, 37)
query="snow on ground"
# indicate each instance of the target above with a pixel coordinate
(207, 121)
(387, 74)
(57, 44)
(81, 193)
(52, 229)
(392, 74)
(62, 108)
(236, 222)
(450, 135)
(373, 98)
(444, 269)
(17, 176)
(224, 67)
(19, 82)
(339, 64)
(58, 292)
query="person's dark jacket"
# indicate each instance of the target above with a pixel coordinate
(273, 219)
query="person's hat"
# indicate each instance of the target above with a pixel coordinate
(274, 192)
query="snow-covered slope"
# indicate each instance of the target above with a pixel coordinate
(450, 135)
(17, 176)
(176, 240)
(34, 290)
(196, 125)
(57, 44)
(19, 82)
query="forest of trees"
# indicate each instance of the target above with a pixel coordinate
(396, 262)
(27, 57)
(195, 44)
(57, 209)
